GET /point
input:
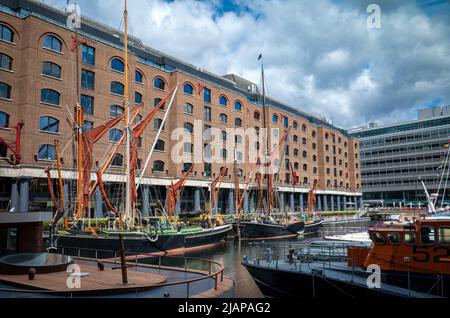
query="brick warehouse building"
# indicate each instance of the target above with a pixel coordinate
(38, 88)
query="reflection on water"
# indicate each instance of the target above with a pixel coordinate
(231, 253)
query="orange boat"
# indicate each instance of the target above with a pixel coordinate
(412, 260)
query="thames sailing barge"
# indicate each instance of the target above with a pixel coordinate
(140, 235)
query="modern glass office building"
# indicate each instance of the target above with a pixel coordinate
(395, 156)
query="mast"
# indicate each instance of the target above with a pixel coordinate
(267, 136)
(128, 213)
(60, 183)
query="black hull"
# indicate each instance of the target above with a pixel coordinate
(295, 284)
(246, 230)
(313, 227)
(141, 244)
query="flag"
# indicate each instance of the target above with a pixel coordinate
(259, 57)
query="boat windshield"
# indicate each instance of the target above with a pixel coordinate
(410, 238)
(377, 237)
(427, 235)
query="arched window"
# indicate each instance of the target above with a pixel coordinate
(326, 135)
(304, 128)
(4, 120)
(138, 77)
(240, 172)
(295, 152)
(49, 124)
(223, 118)
(50, 96)
(305, 167)
(314, 158)
(188, 128)
(5, 62)
(314, 146)
(117, 161)
(315, 170)
(117, 65)
(6, 34)
(156, 102)
(238, 122)
(51, 42)
(115, 110)
(137, 97)
(313, 134)
(294, 125)
(117, 88)
(223, 101)
(223, 136)
(158, 166)
(223, 153)
(275, 119)
(296, 165)
(188, 89)
(304, 141)
(51, 69)
(160, 145)
(46, 152)
(188, 109)
(237, 106)
(5, 91)
(188, 147)
(115, 135)
(256, 115)
(295, 138)
(305, 154)
(305, 180)
(157, 122)
(159, 83)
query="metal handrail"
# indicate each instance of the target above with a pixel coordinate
(211, 275)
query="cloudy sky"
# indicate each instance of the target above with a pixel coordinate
(319, 56)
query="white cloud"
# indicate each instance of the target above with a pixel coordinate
(319, 55)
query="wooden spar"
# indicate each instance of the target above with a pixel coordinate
(236, 187)
(312, 197)
(61, 186)
(216, 181)
(243, 194)
(266, 126)
(129, 212)
(79, 112)
(112, 153)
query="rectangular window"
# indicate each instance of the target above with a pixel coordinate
(88, 54)
(87, 79)
(207, 114)
(207, 95)
(207, 132)
(87, 102)
(427, 235)
(444, 235)
(208, 169)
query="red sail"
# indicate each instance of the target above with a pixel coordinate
(175, 190)
(90, 138)
(137, 132)
(293, 175)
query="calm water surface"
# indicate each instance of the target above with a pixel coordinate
(231, 253)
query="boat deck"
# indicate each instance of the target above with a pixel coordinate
(96, 281)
